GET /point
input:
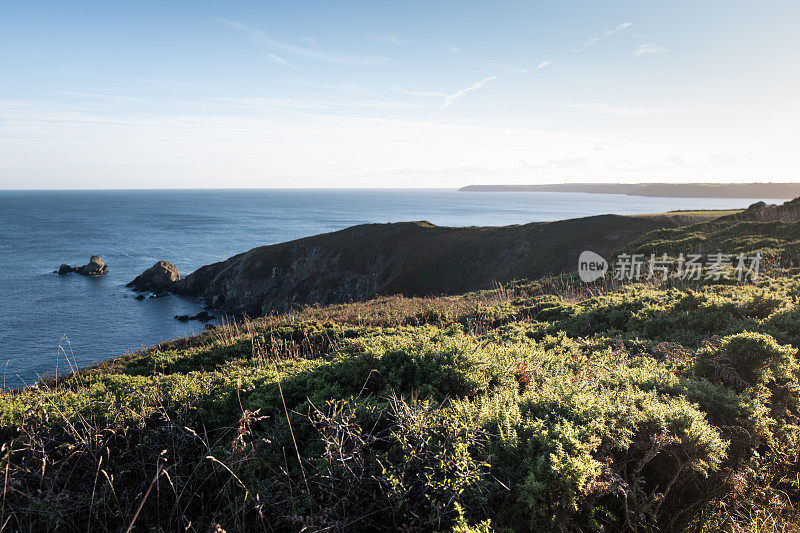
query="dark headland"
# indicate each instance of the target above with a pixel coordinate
(408, 258)
(421, 259)
(674, 190)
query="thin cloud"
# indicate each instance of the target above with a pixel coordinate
(452, 48)
(590, 42)
(512, 69)
(543, 64)
(264, 40)
(607, 33)
(650, 48)
(392, 39)
(278, 59)
(451, 98)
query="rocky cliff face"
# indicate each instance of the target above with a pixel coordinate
(410, 258)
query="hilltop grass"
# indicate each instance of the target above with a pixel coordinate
(535, 406)
(771, 231)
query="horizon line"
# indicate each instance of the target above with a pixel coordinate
(456, 188)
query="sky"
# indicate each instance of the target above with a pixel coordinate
(396, 94)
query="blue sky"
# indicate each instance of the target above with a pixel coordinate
(401, 94)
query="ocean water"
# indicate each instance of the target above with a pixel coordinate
(44, 317)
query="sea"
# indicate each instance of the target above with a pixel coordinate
(51, 323)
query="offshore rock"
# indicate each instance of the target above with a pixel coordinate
(202, 316)
(66, 269)
(158, 278)
(95, 267)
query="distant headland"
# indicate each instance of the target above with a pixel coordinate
(675, 190)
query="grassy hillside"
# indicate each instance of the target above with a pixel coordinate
(535, 406)
(773, 231)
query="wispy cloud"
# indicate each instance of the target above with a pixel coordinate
(278, 59)
(392, 39)
(623, 26)
(543, 64)
(607, 33)
(650, 48)
(261, 38)
(451, 98)
(453, 48)
(512, 69)
(626, 111)
(590, 42)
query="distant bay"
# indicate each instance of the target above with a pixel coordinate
(131, 230)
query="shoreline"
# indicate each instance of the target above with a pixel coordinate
(764, 190)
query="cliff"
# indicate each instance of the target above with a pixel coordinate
(409, 258)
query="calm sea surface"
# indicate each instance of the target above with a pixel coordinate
(131, 230)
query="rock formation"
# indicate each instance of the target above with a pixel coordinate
(202, 316)
(66, 269)
(95, 267)
(158, 278)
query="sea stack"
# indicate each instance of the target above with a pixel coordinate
(157, 279)
(95, 267)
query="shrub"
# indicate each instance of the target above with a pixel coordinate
(638, 408)
(747, 359)
(785, 326)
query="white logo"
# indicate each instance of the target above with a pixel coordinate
(591, 266)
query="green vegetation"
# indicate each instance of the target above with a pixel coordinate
(773, 231)
(534, 406)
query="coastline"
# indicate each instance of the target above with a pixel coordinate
(764, 191)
